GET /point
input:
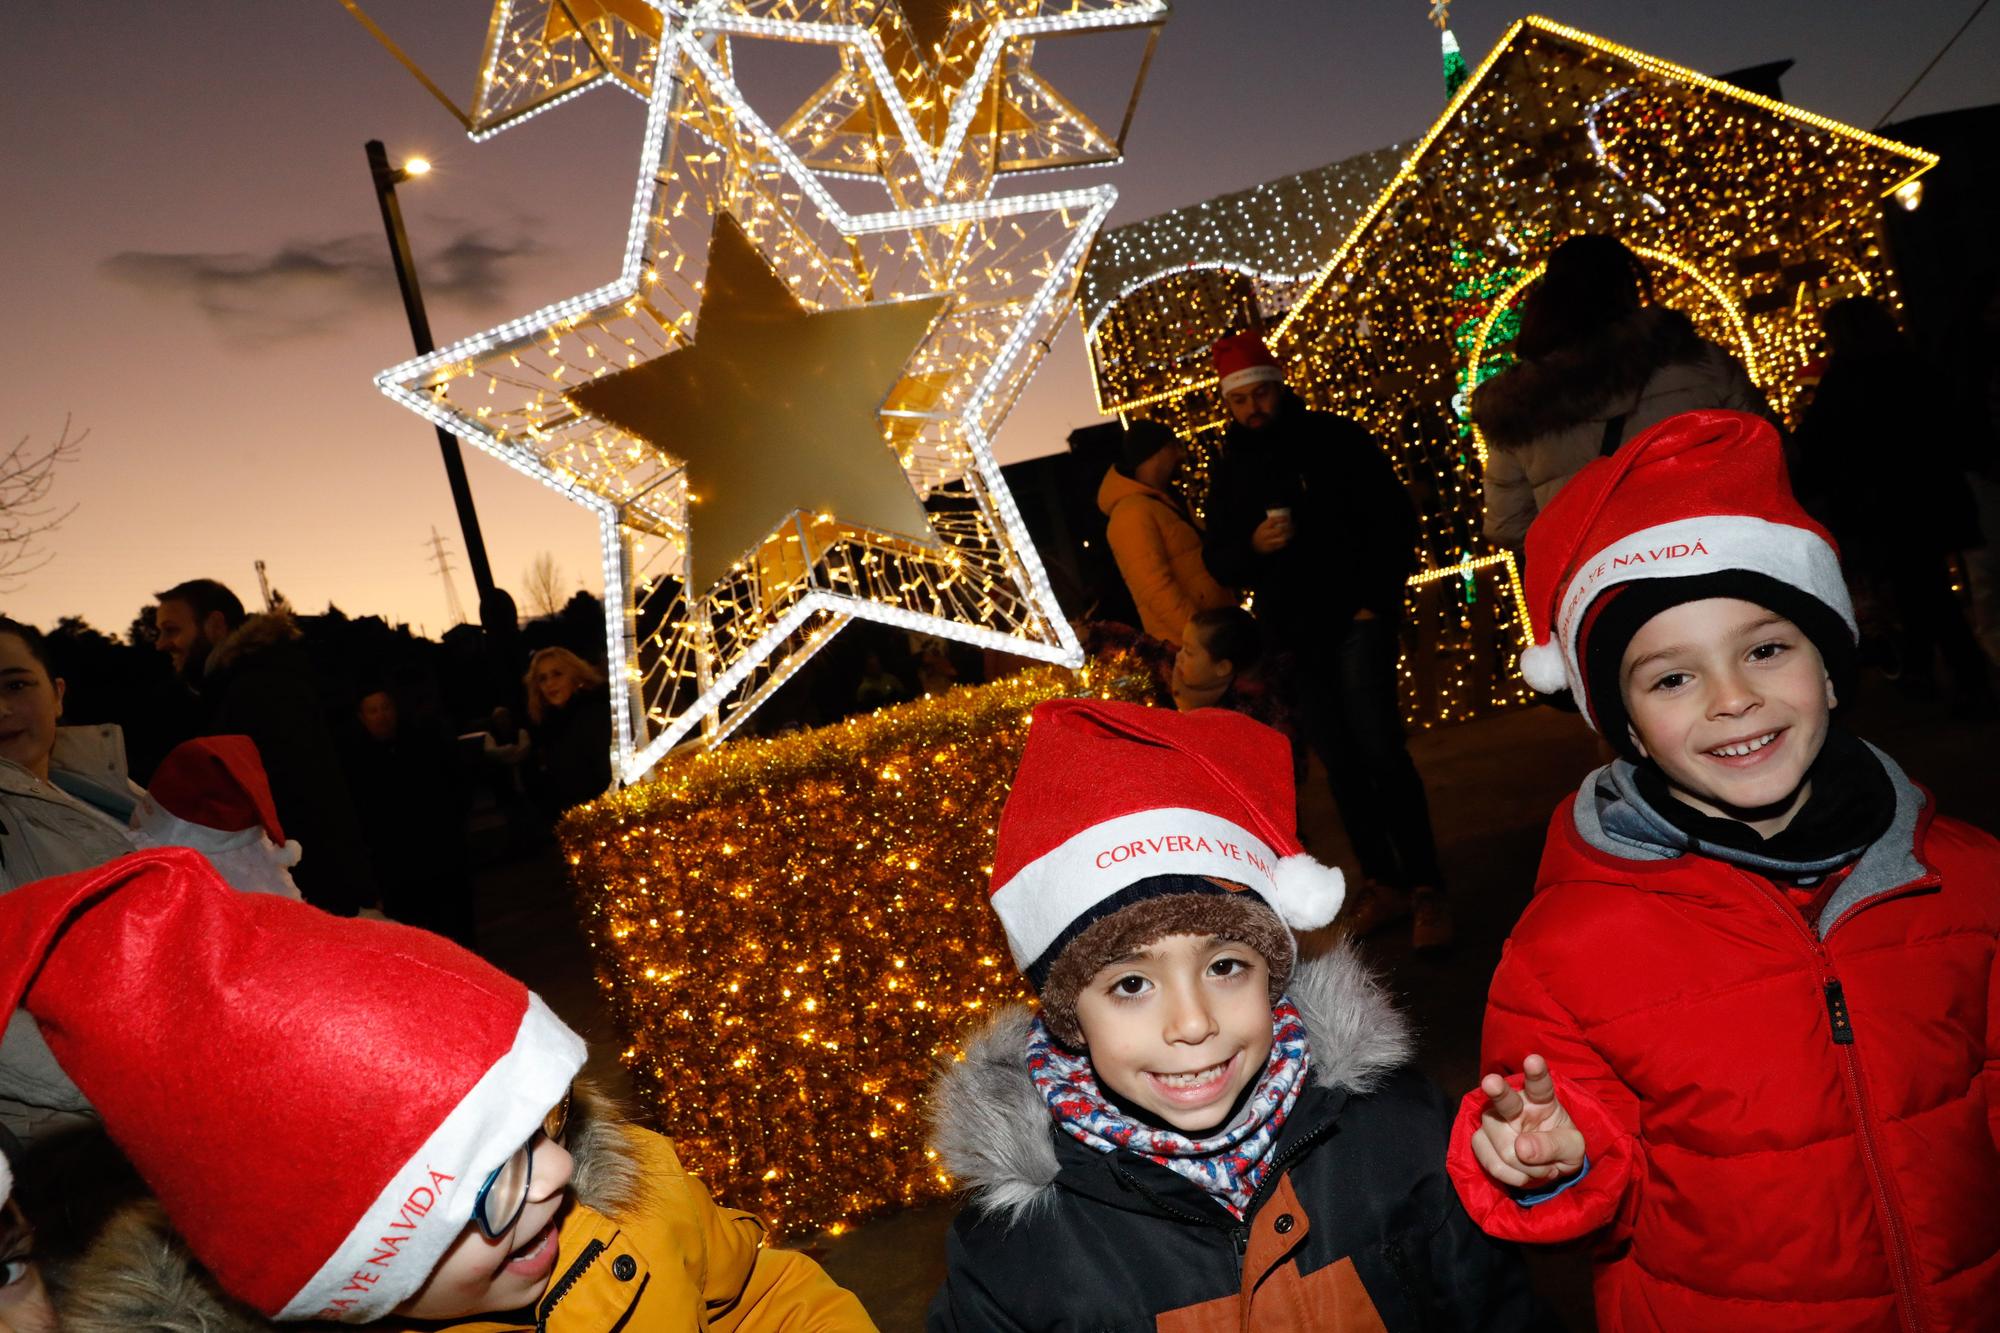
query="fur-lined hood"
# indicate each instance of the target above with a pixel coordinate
(137, 1274)
(992, 1130)
(256, 634)
(1591, 380)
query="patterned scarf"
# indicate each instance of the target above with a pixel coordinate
(1228, 1164)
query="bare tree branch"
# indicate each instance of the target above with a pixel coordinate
(27, 477)
(545, 585)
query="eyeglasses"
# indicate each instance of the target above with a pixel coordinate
(501, 1200)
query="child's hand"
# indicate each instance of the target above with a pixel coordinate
(1525, 1137)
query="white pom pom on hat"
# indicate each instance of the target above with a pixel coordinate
(1542, 667)
(1308, 893)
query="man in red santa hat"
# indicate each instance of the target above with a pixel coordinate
(1305, 510)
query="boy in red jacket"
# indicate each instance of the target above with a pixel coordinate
(1748, 1030)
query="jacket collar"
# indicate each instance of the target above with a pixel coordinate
(992, 1130)
(1612, 818)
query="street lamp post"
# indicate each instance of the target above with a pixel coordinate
(387, 178)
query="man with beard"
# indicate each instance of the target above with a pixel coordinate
(253, 679)
(1305, 510)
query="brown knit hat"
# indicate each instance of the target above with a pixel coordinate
(1154, 909)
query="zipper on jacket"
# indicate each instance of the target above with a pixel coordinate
(565, 1282)
(1836, 1012)
(1842, 1020)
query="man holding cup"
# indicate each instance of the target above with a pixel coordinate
(1305, 510)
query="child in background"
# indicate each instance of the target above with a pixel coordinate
(1746, 1031)
(359, 1123)
(1200, 1130)
(1221, 664)
(1220, 646)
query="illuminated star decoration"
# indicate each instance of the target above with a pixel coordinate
(540, 53)
(1441, 13)
(772, 399)
(934, 97)
(693, 661)
(939, 96)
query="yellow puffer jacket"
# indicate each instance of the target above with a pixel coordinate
(1158, 549)
(681, 1263)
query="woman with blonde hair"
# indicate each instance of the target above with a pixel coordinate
(569, 716)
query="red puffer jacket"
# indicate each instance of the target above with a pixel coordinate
(1787, 1129)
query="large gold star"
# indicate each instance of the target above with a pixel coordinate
(774, 409)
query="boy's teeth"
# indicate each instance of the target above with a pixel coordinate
(1747, 747)
(1193, 1080)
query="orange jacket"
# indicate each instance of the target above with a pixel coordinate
(1158, 549)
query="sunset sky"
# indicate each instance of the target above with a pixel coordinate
(196, 274)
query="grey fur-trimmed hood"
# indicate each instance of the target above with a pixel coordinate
(991, 1129)
(1585, 382)
(138, 1274)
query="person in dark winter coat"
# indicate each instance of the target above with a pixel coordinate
(1199, 1130)
(1745, 1040)
(413, 803)
(1305, 510)
(253, 679)
(569, 716)
(1885, 462)
(1598, 366)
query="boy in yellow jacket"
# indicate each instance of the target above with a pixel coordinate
(357, 1123)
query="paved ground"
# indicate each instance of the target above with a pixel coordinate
(1492, 785)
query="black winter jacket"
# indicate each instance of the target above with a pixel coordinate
(259, 683)
(1355, 1227)
(1354, 528)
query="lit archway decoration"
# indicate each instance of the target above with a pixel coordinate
(1746, 349)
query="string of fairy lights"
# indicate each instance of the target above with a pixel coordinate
(1751, 214)
(698, 658)
(795, 931)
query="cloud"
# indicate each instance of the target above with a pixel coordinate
(307, 289)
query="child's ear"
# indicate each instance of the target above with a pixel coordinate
(1225, 666)
(1832, 702)
(1637, 744)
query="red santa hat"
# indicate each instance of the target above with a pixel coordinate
(211, 794)
(280, 1077)
(217, 782)
(1126, 823)
(1242, 358)
(1703, 500)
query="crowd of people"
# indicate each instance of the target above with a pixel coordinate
(366, 775)
(1743, 1044)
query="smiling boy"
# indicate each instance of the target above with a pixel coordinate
(1746, 1037)
(1200, 1129)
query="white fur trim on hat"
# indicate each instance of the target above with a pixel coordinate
(392, 1249)
(1542, 668)
(1236, 379)
(1055, 889)
(246, 858)
(1688, 547)
(1306, 893)
(6, 1179)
